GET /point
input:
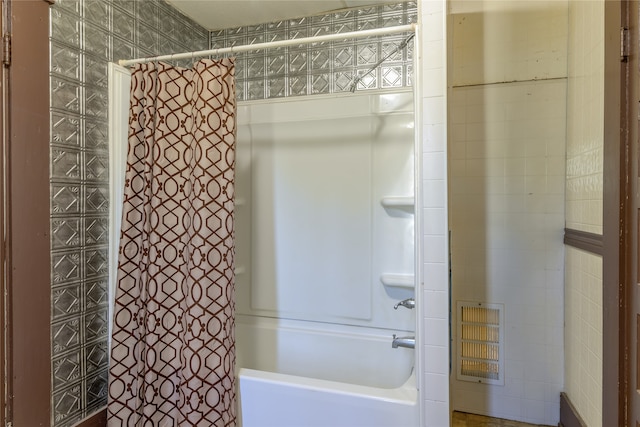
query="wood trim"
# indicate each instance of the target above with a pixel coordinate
(584, 240)
(631, 303)
(98, 419)
(569, 417)
(4, 282)
(28, 229)
(614, 203)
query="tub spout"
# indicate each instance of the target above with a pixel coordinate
(408, 303)
(408, 342)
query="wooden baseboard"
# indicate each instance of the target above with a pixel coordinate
(98, 419)
(569, 417)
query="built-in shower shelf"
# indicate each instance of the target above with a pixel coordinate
(406, 281)
(239, 202)
(398, 202)
(239, 270)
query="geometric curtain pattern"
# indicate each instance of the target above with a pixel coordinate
(173, 347)
(85, 36)
(322, 67)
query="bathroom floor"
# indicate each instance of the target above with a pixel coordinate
(462, 419)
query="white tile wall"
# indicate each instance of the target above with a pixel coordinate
(434, 338)
(583, 337)
(585, 112)
(507, 179)
(584, 194)
(500, 41)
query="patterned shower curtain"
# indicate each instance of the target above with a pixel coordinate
(173, 344)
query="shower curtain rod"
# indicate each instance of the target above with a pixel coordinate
(267, 45)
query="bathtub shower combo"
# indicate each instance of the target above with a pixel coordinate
(325, 256)
(325, 259)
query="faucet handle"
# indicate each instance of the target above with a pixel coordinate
(408, 303)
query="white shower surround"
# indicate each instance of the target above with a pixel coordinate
(319, 231)
(325, 249)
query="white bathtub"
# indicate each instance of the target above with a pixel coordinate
(308, 374)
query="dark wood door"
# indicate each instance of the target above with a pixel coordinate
(631, 91)
(3, 271)
(621, 217)
(26, 205)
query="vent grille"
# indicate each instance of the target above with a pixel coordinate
(480, 342)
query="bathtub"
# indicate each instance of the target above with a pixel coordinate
(308, 374)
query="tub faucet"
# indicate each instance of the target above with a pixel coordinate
(407, 342)
(408, 303)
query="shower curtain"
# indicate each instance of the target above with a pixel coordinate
(173, 345)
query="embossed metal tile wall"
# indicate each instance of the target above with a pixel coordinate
(324, 67)
(85, 36)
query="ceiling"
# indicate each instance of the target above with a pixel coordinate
(218, 14)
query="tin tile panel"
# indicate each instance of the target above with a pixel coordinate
(322, 67)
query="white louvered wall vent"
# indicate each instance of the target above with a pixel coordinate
(480, 342)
